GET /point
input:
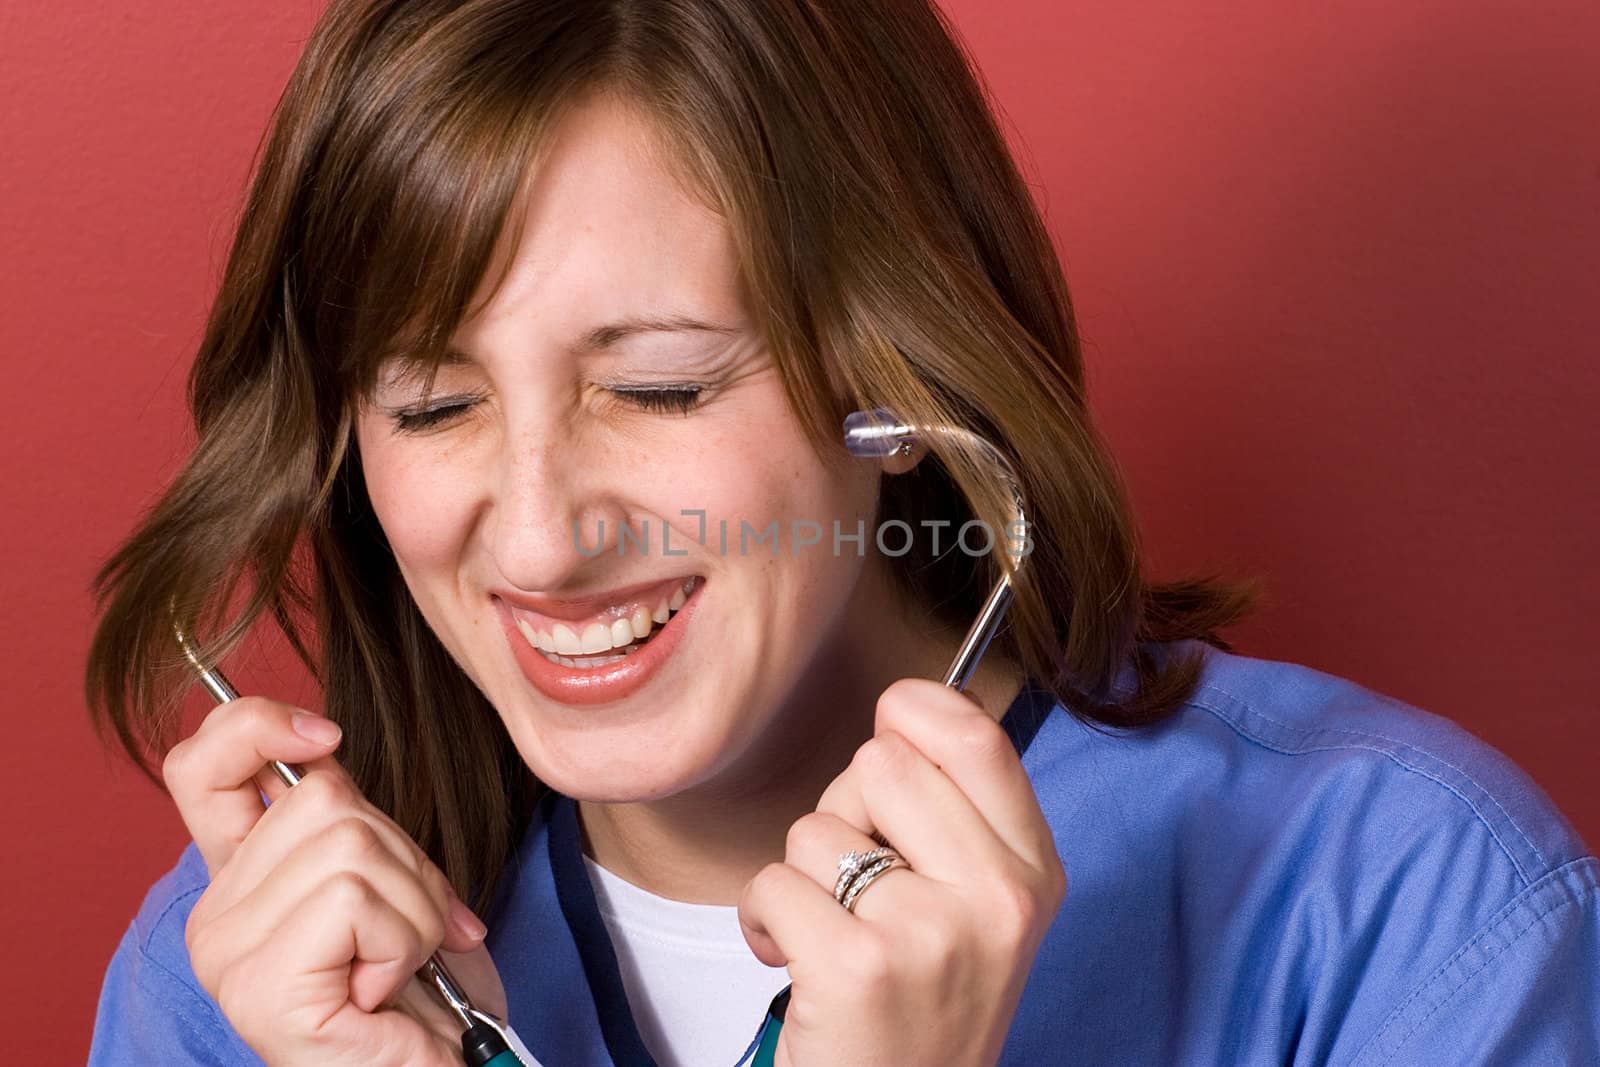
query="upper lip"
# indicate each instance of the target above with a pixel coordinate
(577, 609)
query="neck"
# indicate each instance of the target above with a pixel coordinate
(703, 844)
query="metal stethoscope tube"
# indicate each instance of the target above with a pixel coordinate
(486, 1041)
(877, 434)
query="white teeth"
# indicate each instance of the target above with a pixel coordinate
(599, 637)
(567, 661)
(638, 623)
(596, 638)
(566, 641)
(530, 633)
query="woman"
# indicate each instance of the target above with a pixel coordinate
(533, 303)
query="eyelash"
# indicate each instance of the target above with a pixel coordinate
(663, 399)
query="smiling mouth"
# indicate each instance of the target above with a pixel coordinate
(613, 635)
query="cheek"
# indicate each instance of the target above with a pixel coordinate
(761, 469)
(420, 499)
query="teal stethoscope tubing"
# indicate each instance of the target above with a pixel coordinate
(878, 433)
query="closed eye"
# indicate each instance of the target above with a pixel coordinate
(417, 420)
(679, 399)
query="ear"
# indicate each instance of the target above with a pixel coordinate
(904, 458)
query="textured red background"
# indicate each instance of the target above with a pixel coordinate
(1338, 273)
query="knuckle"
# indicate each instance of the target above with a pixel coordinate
(226, 993)
(767, 882)
(175, 765)
(1056, 884)
(254, 715)
(899, 697)
(200, 914)
(430, 926)
(1014, 908)
(348, 891)
(238, 994)
(353, 839)
(434, 881)
(320, 790)
(887, 755)
(982, 739)
(807, 833)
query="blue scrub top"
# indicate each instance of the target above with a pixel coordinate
(1290, 870)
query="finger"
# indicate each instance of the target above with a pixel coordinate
(212, 774)
(325, 796)
(275, 788)
(816, 842)
(350, 847)
(343, 943)
(788, 919)
(272, 787)
(344, 830)
(893, 788)
(355, 925)
(976, 753)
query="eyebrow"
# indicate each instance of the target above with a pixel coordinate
(612, 332)
(604, 336)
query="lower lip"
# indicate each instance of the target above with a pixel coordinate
(586, 687)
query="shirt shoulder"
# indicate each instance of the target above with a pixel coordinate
(1351, 860)
(1519, 983)
(152, 1009)
(1298, 711)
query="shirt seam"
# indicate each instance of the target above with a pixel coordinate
(1523, 876)
(203, 1034)
(142, 946)
(1515, 906)
(144, 943)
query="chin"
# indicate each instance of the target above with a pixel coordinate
(621, 766)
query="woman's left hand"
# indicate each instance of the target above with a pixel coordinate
(930, 966)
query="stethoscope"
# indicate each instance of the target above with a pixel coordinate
(488, 1041)
(878, 434)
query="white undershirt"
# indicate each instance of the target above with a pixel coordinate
(697, 992)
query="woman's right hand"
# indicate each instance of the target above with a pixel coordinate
(320, 909)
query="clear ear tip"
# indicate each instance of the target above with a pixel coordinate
(875, 433)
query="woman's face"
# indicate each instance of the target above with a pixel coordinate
(544, 429)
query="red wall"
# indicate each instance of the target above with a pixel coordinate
(1338, 274)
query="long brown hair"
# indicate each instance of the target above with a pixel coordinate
(891, 250)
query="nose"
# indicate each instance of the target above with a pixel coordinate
(548, 511)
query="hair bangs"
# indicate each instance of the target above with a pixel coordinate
(442, 141)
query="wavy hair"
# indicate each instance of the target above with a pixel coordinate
(893, 256)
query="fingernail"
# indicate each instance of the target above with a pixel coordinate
(465, 922)
(315, 728)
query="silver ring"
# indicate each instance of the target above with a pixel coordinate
(852, 863)
(857, 870)
(870, 875)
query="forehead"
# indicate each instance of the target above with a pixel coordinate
(608, 230)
